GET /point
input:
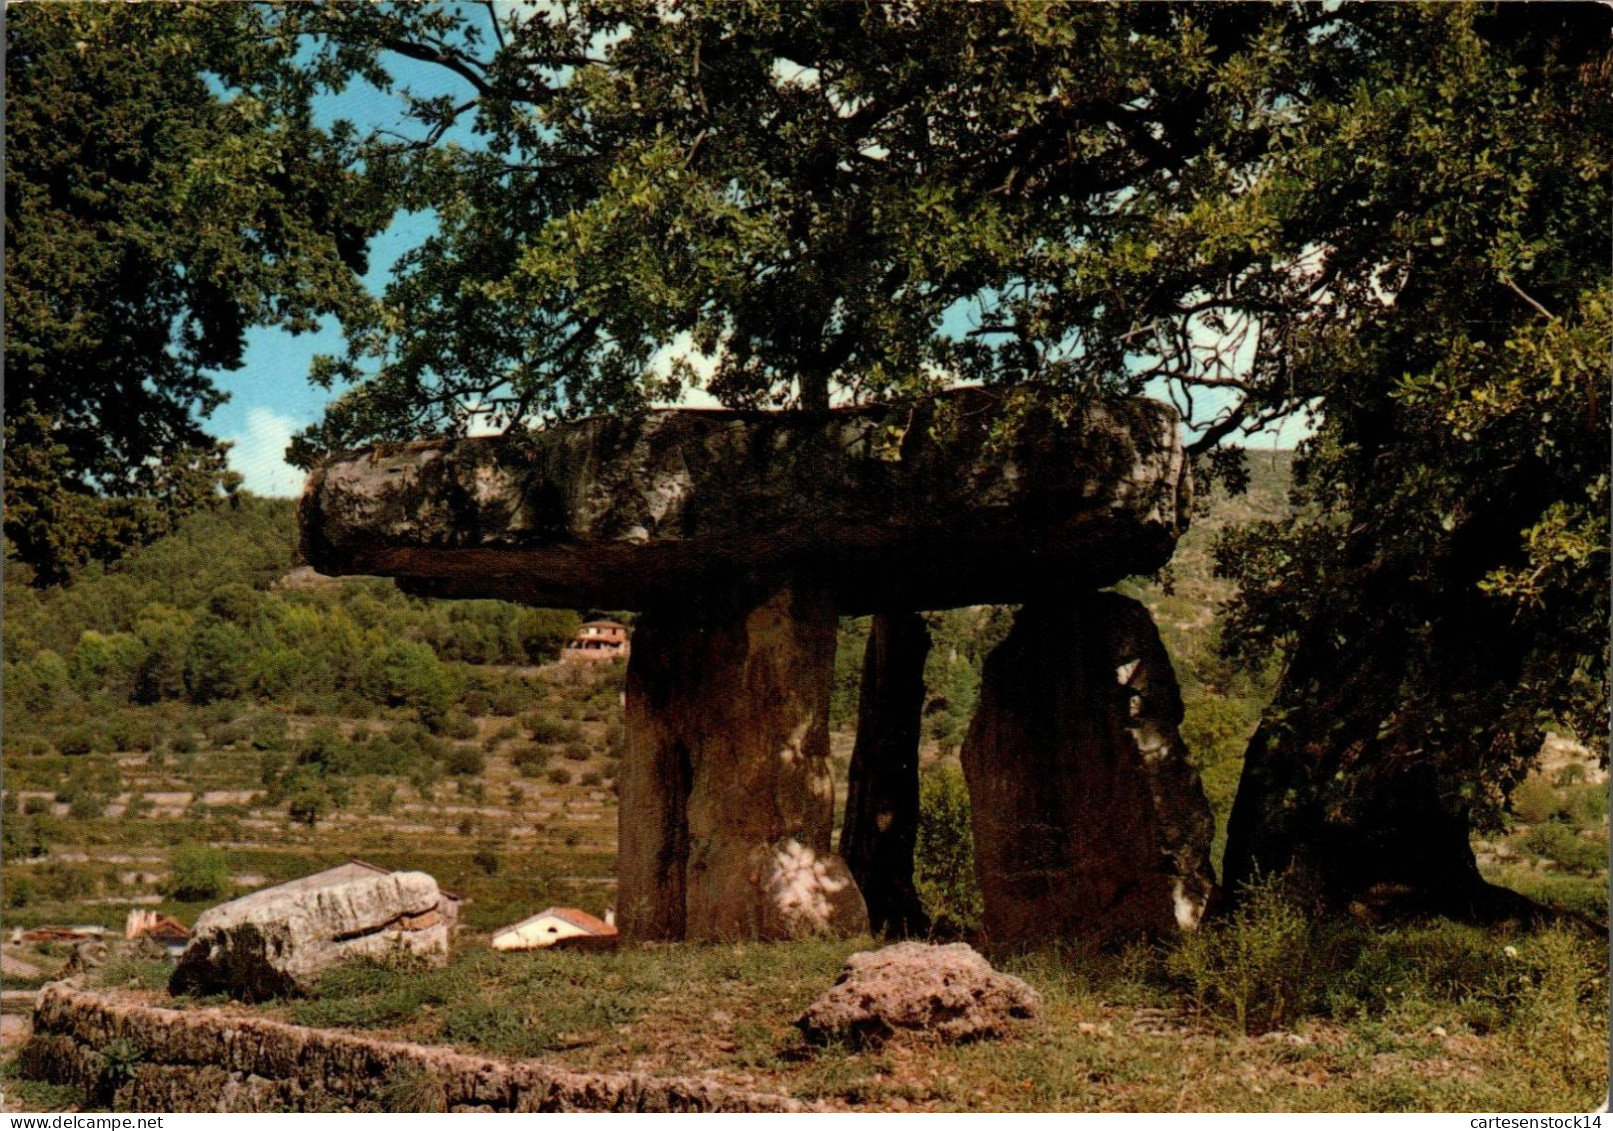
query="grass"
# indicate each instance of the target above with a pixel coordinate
(1431, 1017)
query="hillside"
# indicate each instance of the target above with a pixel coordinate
(187, 726)
(187, 696)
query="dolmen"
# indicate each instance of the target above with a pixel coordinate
(741, 537)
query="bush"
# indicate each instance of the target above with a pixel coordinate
(943, 856)
(593, 779)
(511, 697)
(464, 760)
(78, 741)
(20, 890)
(307, 805)
(87, 806)
(560, 776)
(1534, 800)
(456, 724)
(550, 731)
(65, 882)
(1254, 967)
(197, 872)
(530, 758)
(1562, 1006)
(576, 752)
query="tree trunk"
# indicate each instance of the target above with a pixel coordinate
(882, 800)
(1350, 814)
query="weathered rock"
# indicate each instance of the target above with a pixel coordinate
(887, 507)
(204, 1060)
(279, 940)
(727, 802)
(944, 992)
(1088, 819)
(92, 954)
(882, 794)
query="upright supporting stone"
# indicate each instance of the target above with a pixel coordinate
(1088, 819)
(882, 801)
(727, 803)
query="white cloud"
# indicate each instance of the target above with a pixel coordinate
(260, 454)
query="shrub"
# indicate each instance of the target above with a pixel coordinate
(307, 805)
(456, 724)
(511, 697)
(228, 732)
(464, 760)
(323, 747)
(550, 731)
(943, 857)
(530, 758)
(197, 872)
(486, 859)
(1254, 967)
(593, 778)
(66, 882)
(268, 731)
(20, 890)
(87, 806)
(1562, 1006)
(505, 733)
(1587, 806)
(576, 752)
(1534, 800)
(78, 741)
(560, 776)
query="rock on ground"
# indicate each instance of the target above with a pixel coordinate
(277, 942)
(946, 992)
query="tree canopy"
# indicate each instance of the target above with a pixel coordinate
(1392, 218)
(166, 189)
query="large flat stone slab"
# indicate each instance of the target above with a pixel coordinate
(965, 498)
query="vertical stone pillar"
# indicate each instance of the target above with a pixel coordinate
(882, 801)
(1088, 819)
(727, 802)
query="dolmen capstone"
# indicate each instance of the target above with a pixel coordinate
(742, 537)
(278, 941)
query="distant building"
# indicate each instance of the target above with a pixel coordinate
(557, 927)
(163, 929)
(73, 934)
(356, 869)
(598, 640)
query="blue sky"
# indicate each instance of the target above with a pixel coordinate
(271, 397)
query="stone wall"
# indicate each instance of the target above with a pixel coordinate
(132, 1056)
